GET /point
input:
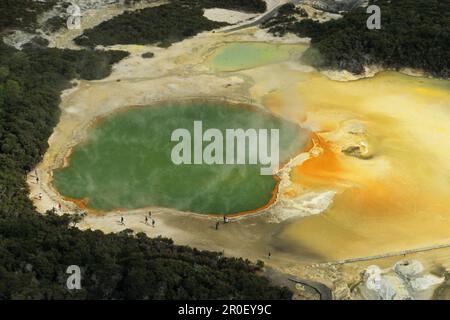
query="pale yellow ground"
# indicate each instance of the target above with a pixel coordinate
(398, 199)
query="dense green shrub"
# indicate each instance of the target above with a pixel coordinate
(162, 25)
(22, 13)
(414, 34)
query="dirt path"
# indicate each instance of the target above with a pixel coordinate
(389, 255)
(272, 11)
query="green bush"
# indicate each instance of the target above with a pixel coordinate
(414, 34)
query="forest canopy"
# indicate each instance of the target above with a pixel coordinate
(164, 24)
(414, 34)
(22, 13)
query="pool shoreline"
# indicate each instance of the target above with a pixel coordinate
(214, 58)
(82, 203)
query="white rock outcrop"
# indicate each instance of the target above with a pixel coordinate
(404, 281)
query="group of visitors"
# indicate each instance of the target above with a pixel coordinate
(147, 219)
(225, 221)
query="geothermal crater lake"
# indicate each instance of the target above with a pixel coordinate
(125, 162)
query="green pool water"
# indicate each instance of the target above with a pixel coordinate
(246, 55)
(126, 161)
